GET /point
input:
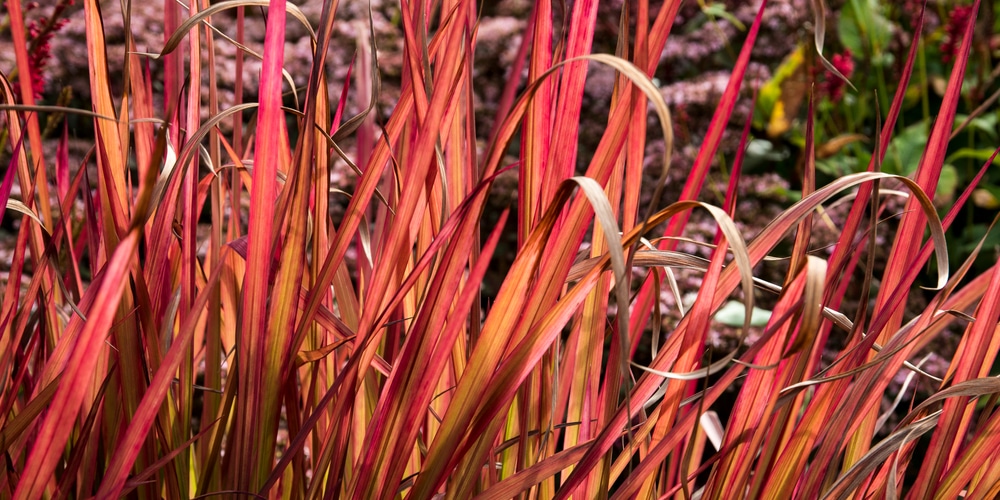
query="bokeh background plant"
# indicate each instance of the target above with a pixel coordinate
(525, 249)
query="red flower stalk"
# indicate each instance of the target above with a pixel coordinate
(40, 34)
(953, 32)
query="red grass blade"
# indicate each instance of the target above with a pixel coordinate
(256, 415)
(144, 417)
(58, 424)
(912, 226)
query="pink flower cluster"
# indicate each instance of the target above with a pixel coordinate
(954, 30)
(832, 85)
(40, 33)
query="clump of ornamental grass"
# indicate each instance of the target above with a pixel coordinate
(143, 357)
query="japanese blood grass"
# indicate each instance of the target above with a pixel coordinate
(271, 365)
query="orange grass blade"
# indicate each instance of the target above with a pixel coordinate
(790, 465)
(535, 143)
(8, 177)
(381, 367)
(757, 250)
(978, 455)
(138, 479)
(24, 80)
(446, 232)
(672, 438)
(256, 420)
(756, 400)
(713, 136)
(910, 428)
(81, 447)
(973, 359)
(144, 417)
(527, 478)
(562, 150)
(911, 228)
(32, 234)
(408, 402)
(507, 311)
(58, 424)
(397, 240)
(526, 353)
(112, 177)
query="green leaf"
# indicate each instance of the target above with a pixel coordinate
(947, 183)
(980, 154)
(863, 29)
(906, 149)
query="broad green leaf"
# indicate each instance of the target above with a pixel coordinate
(906, 149)
(863, 28)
